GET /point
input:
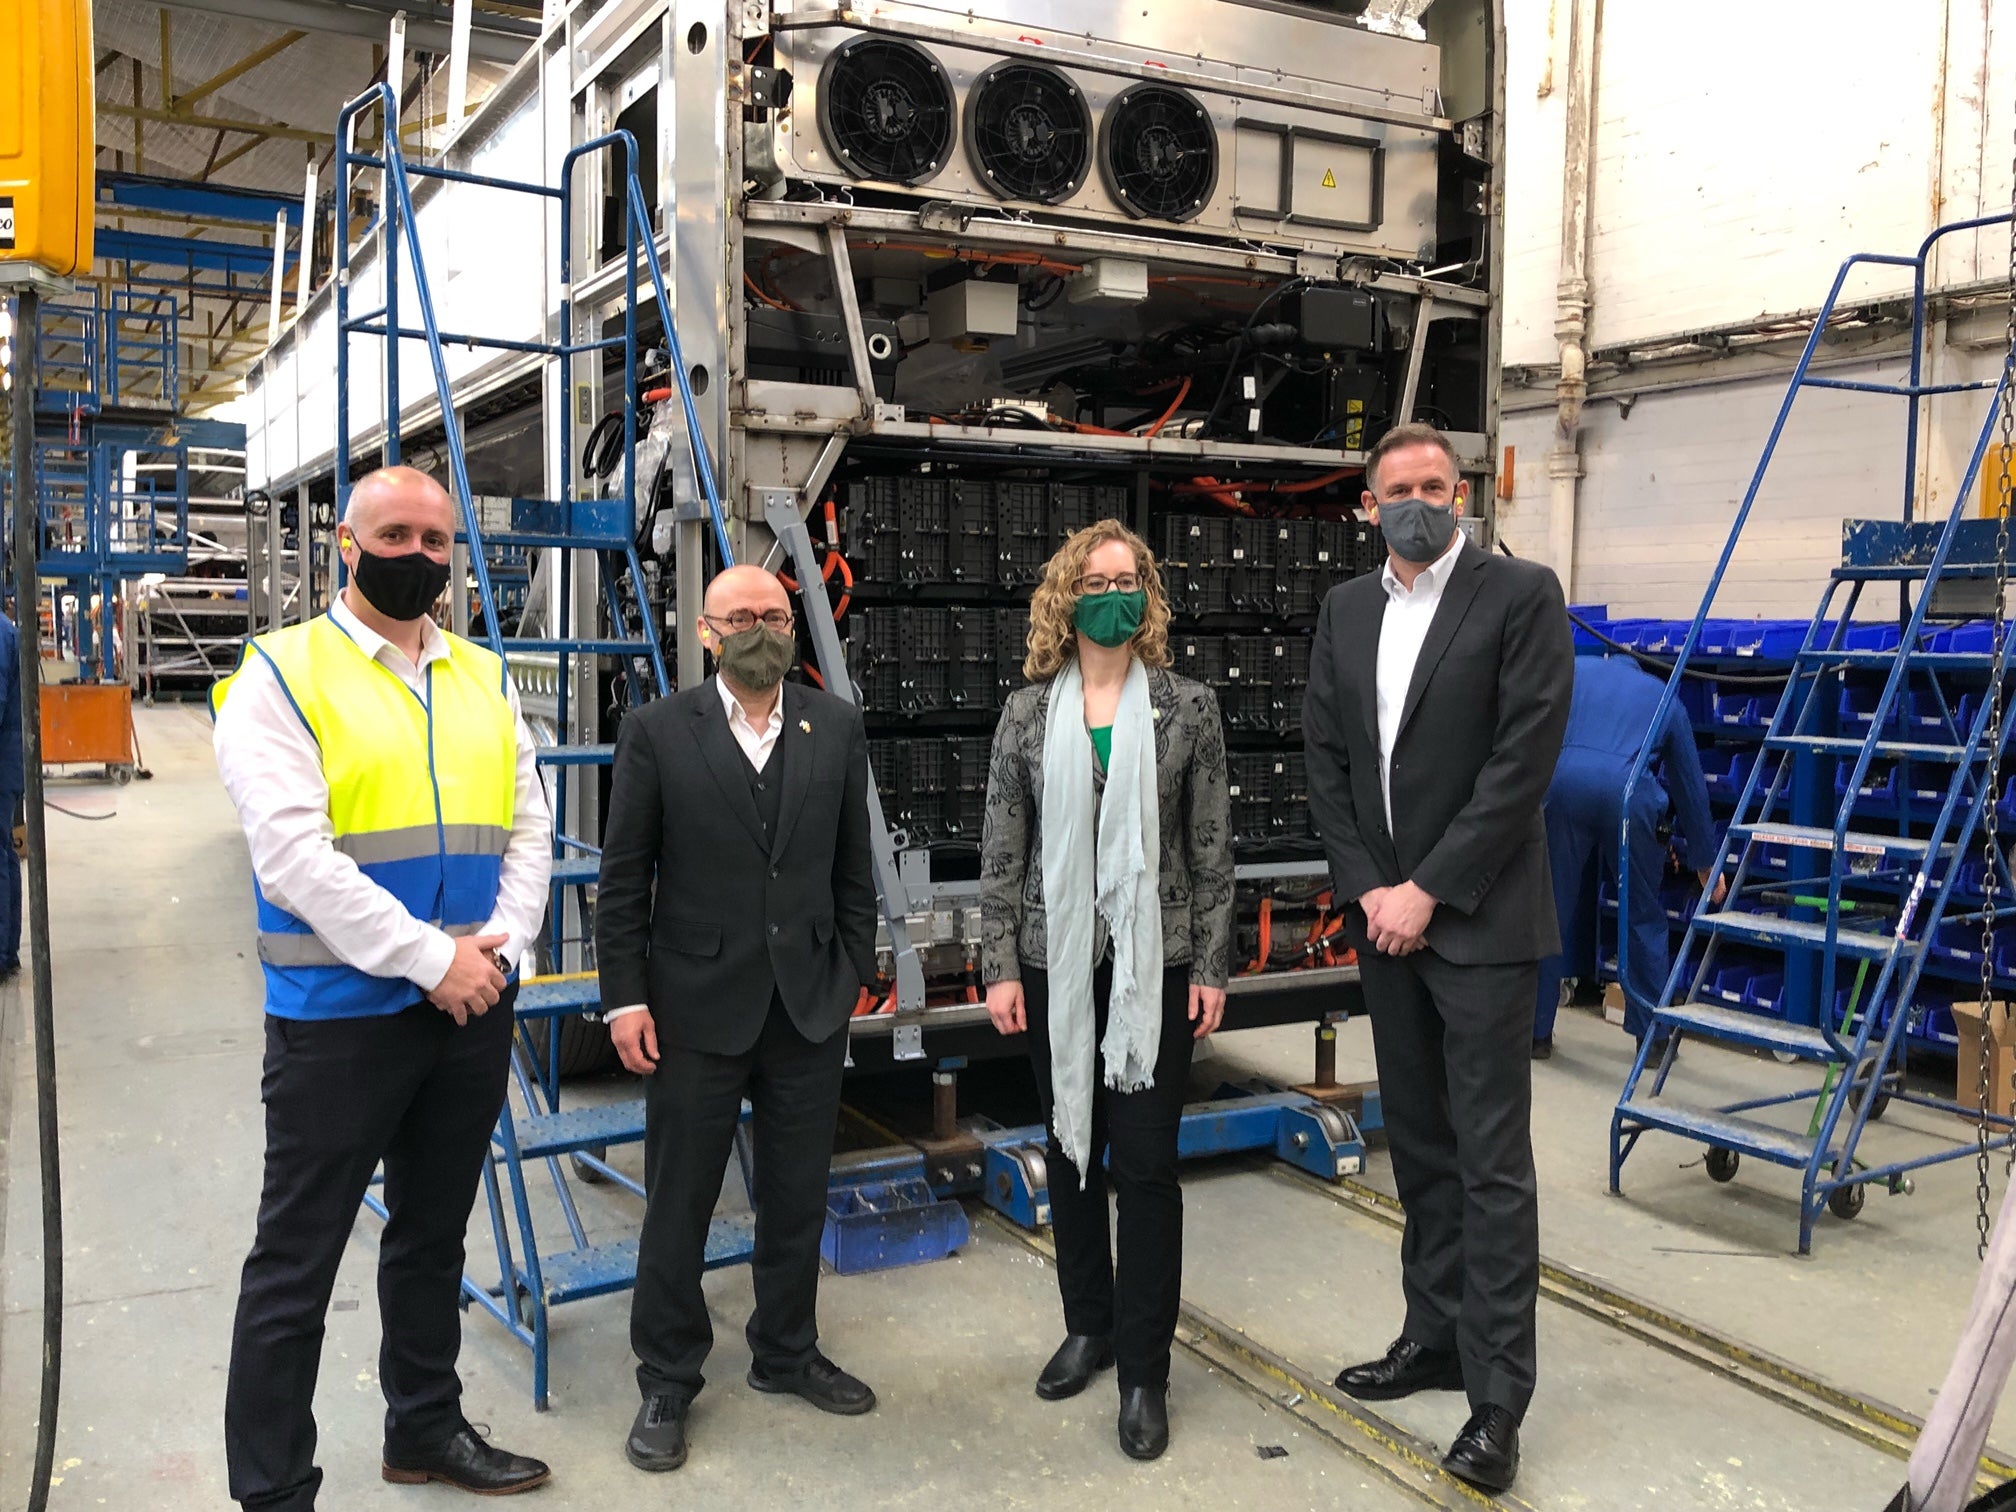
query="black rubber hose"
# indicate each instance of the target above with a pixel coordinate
(27, 608)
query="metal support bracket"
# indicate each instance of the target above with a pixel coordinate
(781, 512)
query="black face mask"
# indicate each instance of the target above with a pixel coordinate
(399, 587)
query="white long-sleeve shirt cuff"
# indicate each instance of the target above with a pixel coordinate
(610, 1015)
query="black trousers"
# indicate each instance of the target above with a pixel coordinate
(1133, 1147)
(692, 1104)
(414, 1091)
(1456, 1087)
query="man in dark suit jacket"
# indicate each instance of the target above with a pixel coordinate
(734, 927)
(1438, 692)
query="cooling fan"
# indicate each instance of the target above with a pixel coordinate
(886, 109)
(1160, 152)
(1029, 132)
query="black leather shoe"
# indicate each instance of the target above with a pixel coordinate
(1486, 1452)
(822, 1383)
(657, 1439)
(464, 1461)
(1144, 1421)
(1070, 1371)
(1404, 1369)
(1543, 1049)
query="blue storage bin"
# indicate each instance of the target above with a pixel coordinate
(1631, 632)
(1976, 637)
(1879, 783)
(883, 1224)
(1765, 993)
(1957, 940)
(1744, 710)
(1872, 638)
(1857, 708)
(1727, 983)
(1726, 770)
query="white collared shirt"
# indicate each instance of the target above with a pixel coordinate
(756, 744)
(272, 769)
(1409, 612)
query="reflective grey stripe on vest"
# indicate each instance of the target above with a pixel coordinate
(416, 841)
(282, 949)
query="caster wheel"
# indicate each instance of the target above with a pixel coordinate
(121, 775)
(1845, 1202)
(524, 1308)
(1723, 1164)
(1877, 1108)
(584, 1173)
(1785, 1057)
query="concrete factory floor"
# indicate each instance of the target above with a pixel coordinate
(159, 1046)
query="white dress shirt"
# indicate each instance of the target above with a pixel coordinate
(272, 769)
(756, 745)
(1409, 612)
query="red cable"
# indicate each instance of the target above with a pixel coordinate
(1174, 405)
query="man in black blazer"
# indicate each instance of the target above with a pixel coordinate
(1438, 693)
(735, 928)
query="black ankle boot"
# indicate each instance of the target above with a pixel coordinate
(1144, 1421)
(1070, 1371)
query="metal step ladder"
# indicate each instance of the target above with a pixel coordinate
(1873, 875)
(532, 1278)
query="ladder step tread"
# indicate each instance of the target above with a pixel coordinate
(584, 646)
(1728, 1130)
(1850, 745)
(1756, 1030)
(577, 871)
(577, 755)
(596, 1270)
(552, 997)
(1855, 842)
(543, 1134)
(1862, 944)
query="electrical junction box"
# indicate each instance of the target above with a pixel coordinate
(972, 308)
(1109, 280)
(48, 132)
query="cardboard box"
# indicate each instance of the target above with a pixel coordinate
(1613, 1003)
(2001, 1056)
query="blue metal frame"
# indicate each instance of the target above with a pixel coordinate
(532, 1282)
(1811, 928)
(1313, 1136)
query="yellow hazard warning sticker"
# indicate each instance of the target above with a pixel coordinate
(1329, 179)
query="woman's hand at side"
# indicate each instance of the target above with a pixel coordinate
(1004, 1007)
(1207, 1007)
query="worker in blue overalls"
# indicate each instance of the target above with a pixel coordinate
(1609, 718)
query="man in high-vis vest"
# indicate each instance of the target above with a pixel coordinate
(401, 849)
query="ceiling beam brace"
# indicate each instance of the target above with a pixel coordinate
(239, 69)
(492, 41)
(212, 123)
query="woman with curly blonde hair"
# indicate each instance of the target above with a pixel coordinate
(1106, 909)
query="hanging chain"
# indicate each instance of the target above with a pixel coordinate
(2005, 497)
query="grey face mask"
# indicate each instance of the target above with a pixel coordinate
(757, 658)
(1416, 530)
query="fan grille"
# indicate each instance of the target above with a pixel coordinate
(886, 108)
(1029, 132)
(1160, 152)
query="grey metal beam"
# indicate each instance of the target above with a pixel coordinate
(495, 44)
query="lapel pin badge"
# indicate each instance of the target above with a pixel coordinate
(805, 725)
(1155, 713)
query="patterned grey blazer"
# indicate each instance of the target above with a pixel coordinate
(1196, 824)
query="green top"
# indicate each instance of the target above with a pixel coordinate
(1102, 743)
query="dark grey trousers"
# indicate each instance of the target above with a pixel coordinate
(1456, 1088)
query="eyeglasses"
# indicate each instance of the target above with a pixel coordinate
(739, 620)
(1094, 583)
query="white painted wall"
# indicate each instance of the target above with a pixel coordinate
(1742, 151)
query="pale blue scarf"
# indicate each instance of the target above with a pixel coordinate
(1112, 873)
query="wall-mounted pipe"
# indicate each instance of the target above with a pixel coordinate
(1572, 293)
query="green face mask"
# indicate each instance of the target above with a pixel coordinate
(1110, 619)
